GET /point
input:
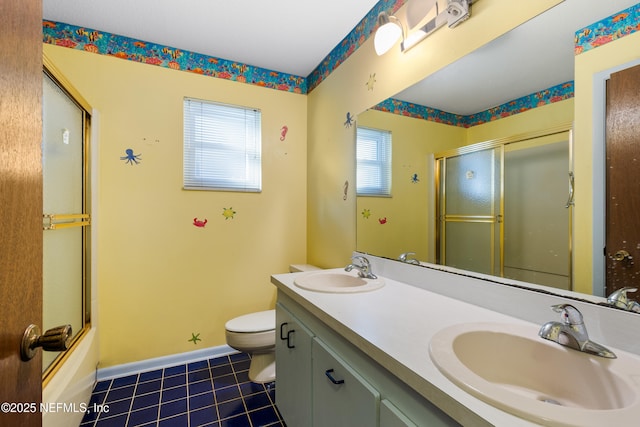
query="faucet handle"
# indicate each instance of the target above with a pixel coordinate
(361, 261)
(569, 314)
(403, 257)
(620, 299)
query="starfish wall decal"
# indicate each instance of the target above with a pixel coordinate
(195, 338)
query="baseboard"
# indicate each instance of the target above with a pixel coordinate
(163, 362)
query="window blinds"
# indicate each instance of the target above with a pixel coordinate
(373, 154)
(222, 147)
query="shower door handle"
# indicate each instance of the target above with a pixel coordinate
(571, 182)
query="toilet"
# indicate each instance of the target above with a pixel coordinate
(255, 333)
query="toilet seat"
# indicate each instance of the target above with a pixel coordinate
(261, 321)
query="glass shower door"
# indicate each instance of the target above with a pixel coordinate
(537, 211)
(503, 209)
(64, 212)
(469, 211)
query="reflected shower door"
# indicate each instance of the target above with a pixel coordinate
(469, 211)
(505, 209)
(537, 215)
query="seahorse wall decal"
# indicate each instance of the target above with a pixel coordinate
(283, 133)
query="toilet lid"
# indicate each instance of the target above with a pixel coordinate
(255, 322)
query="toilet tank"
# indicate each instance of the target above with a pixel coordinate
(294, 268)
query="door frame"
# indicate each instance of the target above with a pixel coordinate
(599, 119)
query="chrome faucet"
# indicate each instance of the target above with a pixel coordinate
(620, 299)
(571, 332)
(404, 257)
(363, 266)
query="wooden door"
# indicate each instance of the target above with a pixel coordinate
(20, 206)
(623, 181)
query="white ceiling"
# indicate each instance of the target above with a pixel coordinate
(535, 56)
(294, 36)
(291, 36)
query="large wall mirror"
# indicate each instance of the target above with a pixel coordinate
(534, 145)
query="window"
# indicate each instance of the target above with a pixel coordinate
(222, 147)
(373, 165)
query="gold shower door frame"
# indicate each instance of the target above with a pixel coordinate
(492, 219)
(495, 219)
(51, 222)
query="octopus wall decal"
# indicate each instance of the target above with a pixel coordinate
(349, 122)
(130, 157)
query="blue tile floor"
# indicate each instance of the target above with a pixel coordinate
(212, 393)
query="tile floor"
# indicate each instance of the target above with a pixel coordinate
(212, 393)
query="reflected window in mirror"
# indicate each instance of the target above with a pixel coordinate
(373, 162)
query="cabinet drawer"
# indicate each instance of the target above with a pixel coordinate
(341, 397)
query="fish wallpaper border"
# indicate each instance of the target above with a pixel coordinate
(103, 43)
(598, 34)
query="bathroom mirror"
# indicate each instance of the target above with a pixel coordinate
(534, 57)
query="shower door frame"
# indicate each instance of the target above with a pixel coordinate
(499, 143)
(82, 220)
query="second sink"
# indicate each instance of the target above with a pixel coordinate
(337, 281)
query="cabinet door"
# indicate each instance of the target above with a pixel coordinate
(390, 416)
(293, 369)
(341, 397)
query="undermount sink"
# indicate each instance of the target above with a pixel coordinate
(336, 281)
(511, 368)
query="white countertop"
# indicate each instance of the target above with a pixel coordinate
(394, 325)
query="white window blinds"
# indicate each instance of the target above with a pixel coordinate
(222, 147)
(373, 154)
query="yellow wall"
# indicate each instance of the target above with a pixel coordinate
(587, 65)
(160, 277)
(537, 119)
(332, 220)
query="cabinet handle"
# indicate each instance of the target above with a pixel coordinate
(282, 325)
(289, 345)
(328, 373)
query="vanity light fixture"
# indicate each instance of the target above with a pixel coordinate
(388, 32)
(390, 28)
(457, 12)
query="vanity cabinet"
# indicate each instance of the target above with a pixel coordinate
(341, 397)
(293, 368)
(323, 380)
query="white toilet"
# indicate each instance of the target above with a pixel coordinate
(255, 333)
